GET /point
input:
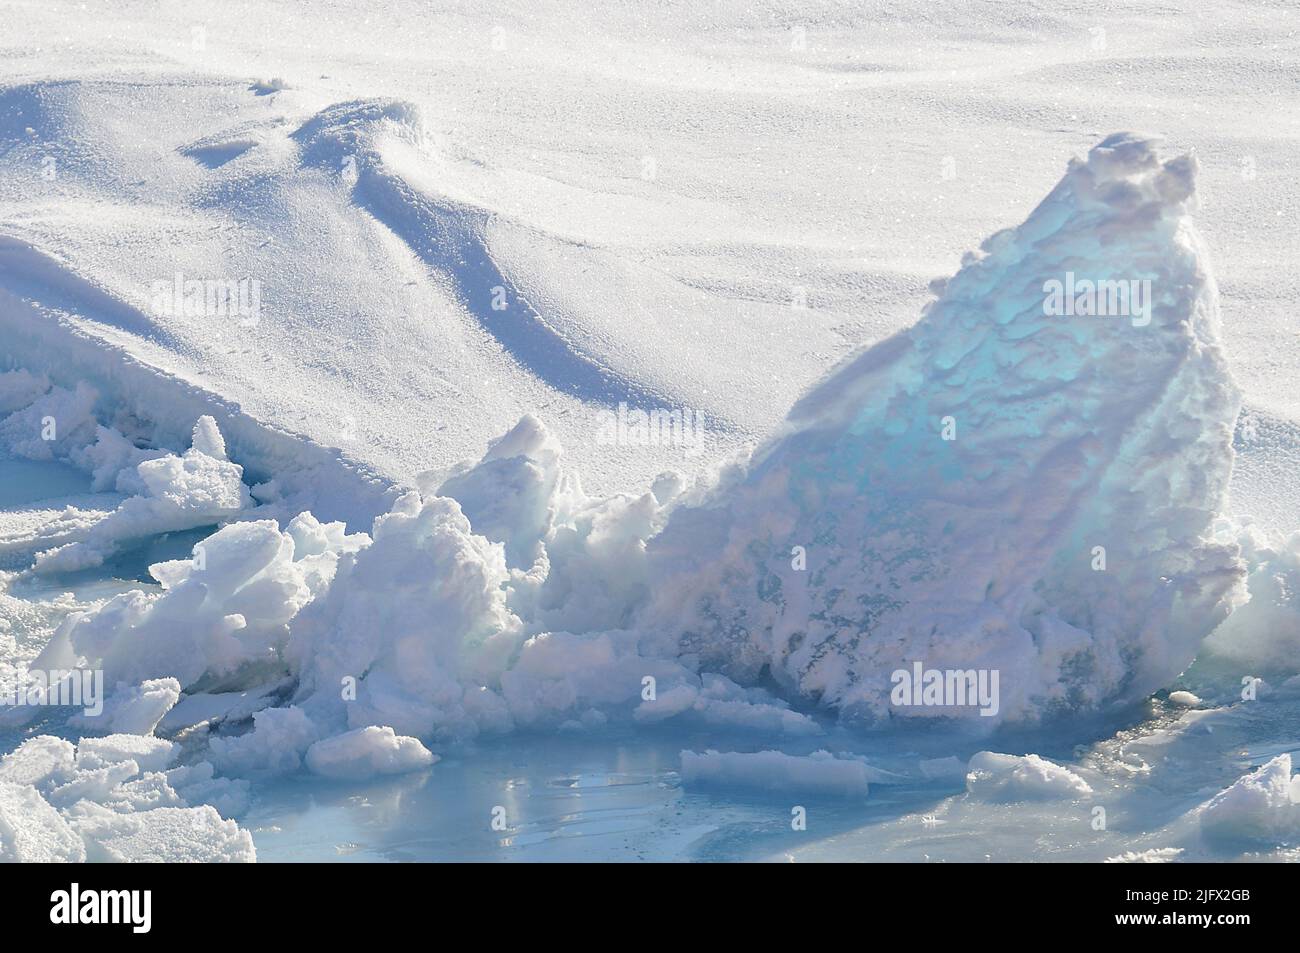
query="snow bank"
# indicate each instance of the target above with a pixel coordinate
(996, 489)
(820, 773)
(116, 798)
(1007, 777)
(1261, 807)
(367, 752)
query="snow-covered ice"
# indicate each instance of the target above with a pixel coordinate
(592, 416)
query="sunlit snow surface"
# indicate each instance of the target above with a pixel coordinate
(701, 212)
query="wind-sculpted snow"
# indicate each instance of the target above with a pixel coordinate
(450, 237)
(998, 488)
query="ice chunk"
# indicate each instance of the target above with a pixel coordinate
(32, 831)
(208, 440)
(177, 492)
(820, 773)
(667, 704)
(52, 793)
(509, 495)
(1000, 488)
(412, 622)
(1261, 807)
(38, 760)
(277, 742)
(366, 752)
(223, 611)
(149, 754)
(134, 711)
(209, 708)
(162, 835)
(196, 784)
(1007, 777)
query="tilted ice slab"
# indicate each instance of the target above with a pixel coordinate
(1059, 537)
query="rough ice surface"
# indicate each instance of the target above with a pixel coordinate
(32, 831)
(164, 834)
(116, 798)
(222, 614)
(977, 552)
(1155, 855)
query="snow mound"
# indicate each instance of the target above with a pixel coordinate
(1261, 807)
(1007, 777)
(1001, 489)
(819, 773)
(998, 488)
(408, 619)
